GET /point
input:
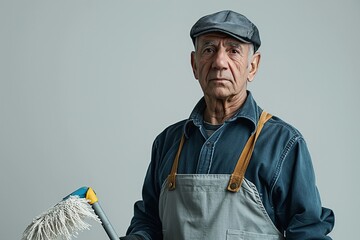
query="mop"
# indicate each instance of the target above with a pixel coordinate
(67, 218)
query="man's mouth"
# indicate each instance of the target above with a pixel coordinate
(219, 80)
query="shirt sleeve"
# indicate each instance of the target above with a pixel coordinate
(146, 222)
(296, 197)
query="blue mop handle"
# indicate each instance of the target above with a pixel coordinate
(109, 229)
(90, 195)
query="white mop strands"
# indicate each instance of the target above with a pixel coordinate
(63, 221)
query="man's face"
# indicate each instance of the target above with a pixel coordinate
(221, 65)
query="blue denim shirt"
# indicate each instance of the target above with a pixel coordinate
(280, 168)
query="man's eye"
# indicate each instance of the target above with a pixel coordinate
(235, 51)
(208, 50)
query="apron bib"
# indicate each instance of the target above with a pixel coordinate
(215, 206)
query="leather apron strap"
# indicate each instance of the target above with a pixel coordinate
(172, 176)
(237, 176)
(239, 172)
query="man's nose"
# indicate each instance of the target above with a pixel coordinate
(220, 60)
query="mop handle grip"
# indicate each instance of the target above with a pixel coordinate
(109, 229)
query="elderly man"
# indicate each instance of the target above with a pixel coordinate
(230, 171)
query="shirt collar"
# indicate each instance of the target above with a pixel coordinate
(249, 111)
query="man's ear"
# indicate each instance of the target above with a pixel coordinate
(193, 64)
(254, 66)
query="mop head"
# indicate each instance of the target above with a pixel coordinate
(63, 221)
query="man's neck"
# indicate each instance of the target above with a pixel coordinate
(218, 110)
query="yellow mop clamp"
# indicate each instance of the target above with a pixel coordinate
(91, 196)
(67, 218)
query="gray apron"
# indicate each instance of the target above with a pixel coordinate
(215, 206)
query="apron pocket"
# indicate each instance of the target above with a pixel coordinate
(234, 234)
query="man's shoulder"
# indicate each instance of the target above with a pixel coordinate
(278, 126)
(172, 132)
(175, 127)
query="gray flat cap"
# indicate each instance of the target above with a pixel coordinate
(228, 22)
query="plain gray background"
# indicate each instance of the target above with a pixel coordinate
(85, 86)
